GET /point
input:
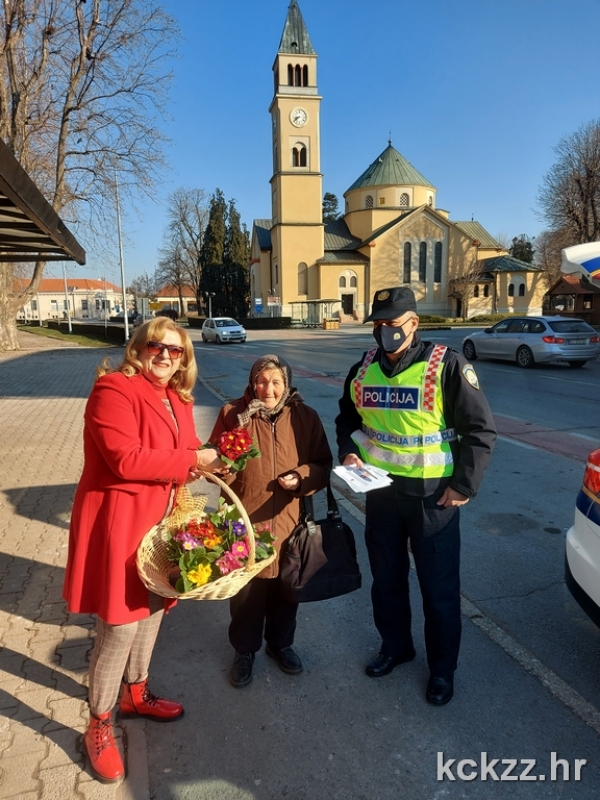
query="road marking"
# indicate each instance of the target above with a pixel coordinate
(558, 688)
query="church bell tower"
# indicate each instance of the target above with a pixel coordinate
(296, 185)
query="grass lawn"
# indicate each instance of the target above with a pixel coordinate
(73, 338)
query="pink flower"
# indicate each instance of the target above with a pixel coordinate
(240, 548)
(228, 563)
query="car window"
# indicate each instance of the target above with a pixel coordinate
(516, 326)
(225, 323)
(501, 326)
(535, 326)
(571, 326)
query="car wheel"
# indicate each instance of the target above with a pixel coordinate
(577, 364)
(204, 339)
(524, 357)
(469, 351)
(219, 340)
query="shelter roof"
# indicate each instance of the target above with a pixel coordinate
(30, 229)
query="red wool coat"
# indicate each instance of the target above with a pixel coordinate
(133, 456)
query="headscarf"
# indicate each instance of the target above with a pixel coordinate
(256, 406)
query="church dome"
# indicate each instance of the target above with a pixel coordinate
(390, 169)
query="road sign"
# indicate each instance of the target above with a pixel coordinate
(273, 301)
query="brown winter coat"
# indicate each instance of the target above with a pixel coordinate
(293, 441)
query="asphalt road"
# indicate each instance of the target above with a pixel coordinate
(528, 683)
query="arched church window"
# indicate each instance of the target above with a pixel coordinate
(342, 282)
(486, 290)
(522, 290)
(476, 291)
(423, 262)
(353, 282)
(437, 263)
(302, 278)
(369, 201)
(305, 75)
(430, 200)
(404, 200)
(298, 75)
(511, 290)
(407, 262)
(290, 75)
(299, 156)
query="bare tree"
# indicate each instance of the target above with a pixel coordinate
(81, 86)
(464, 277)
(548, 253)
(181, 262)
(570, 193)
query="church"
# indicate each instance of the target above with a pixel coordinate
(391, 232)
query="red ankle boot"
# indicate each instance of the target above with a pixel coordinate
(102, 750)
(138, 700)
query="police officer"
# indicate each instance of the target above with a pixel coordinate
(415, 409)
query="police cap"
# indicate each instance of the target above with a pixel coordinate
(392, 303)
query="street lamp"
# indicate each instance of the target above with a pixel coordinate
(210, 295)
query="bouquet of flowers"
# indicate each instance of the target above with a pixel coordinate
(237, 448)
(210, 545)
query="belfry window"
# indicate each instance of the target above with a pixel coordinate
(299, 156)
(404, 200)
(369, 201)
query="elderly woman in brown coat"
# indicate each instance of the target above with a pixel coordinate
(295, 461)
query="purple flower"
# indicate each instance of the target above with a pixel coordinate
(238, 528)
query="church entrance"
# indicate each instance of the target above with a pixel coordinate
(348, 304)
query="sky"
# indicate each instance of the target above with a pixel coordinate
(476, 94)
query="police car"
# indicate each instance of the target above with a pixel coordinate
(582, 562)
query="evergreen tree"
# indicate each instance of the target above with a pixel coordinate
(330, 207)
(213, 251)
(236, 254)
(522, 248)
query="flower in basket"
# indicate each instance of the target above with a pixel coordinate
(210, 545)
(237, 448)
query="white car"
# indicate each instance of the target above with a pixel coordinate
(582, 563)
(222, 329)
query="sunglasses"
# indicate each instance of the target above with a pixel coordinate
(156, 348)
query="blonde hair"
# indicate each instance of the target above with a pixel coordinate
(183, 381)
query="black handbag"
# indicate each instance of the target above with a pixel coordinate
(318, 561)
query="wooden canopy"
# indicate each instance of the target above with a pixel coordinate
(30, 229)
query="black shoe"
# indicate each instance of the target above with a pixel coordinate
(440, 690)
(241, 669)
(382, 665)
(287, 659)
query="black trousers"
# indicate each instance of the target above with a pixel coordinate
(259, 607)
(392, 520)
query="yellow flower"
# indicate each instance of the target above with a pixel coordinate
(199, 576)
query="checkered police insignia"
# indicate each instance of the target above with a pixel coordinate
(361, 374)
(383, 295)
(429, 381)
(470, 375)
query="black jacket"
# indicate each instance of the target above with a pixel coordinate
(465, 409)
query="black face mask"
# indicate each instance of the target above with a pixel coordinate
(388, 338)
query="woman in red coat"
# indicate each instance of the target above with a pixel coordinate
(140, 443)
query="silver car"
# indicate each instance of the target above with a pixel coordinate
(535, 340)
(222, 329)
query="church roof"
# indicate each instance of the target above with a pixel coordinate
(295, 38)
(338, 237)
(379, 231)
(263, 233)
(478, 233)
(507, 264)
(390, 169)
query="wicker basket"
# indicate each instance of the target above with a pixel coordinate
(154, 566)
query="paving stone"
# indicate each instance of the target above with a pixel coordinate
(25, 740)
(19, 776)
(64, 748)
(59, 782)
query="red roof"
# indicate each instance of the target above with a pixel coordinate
(57, 285)
(173, 291)
(578, 286)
